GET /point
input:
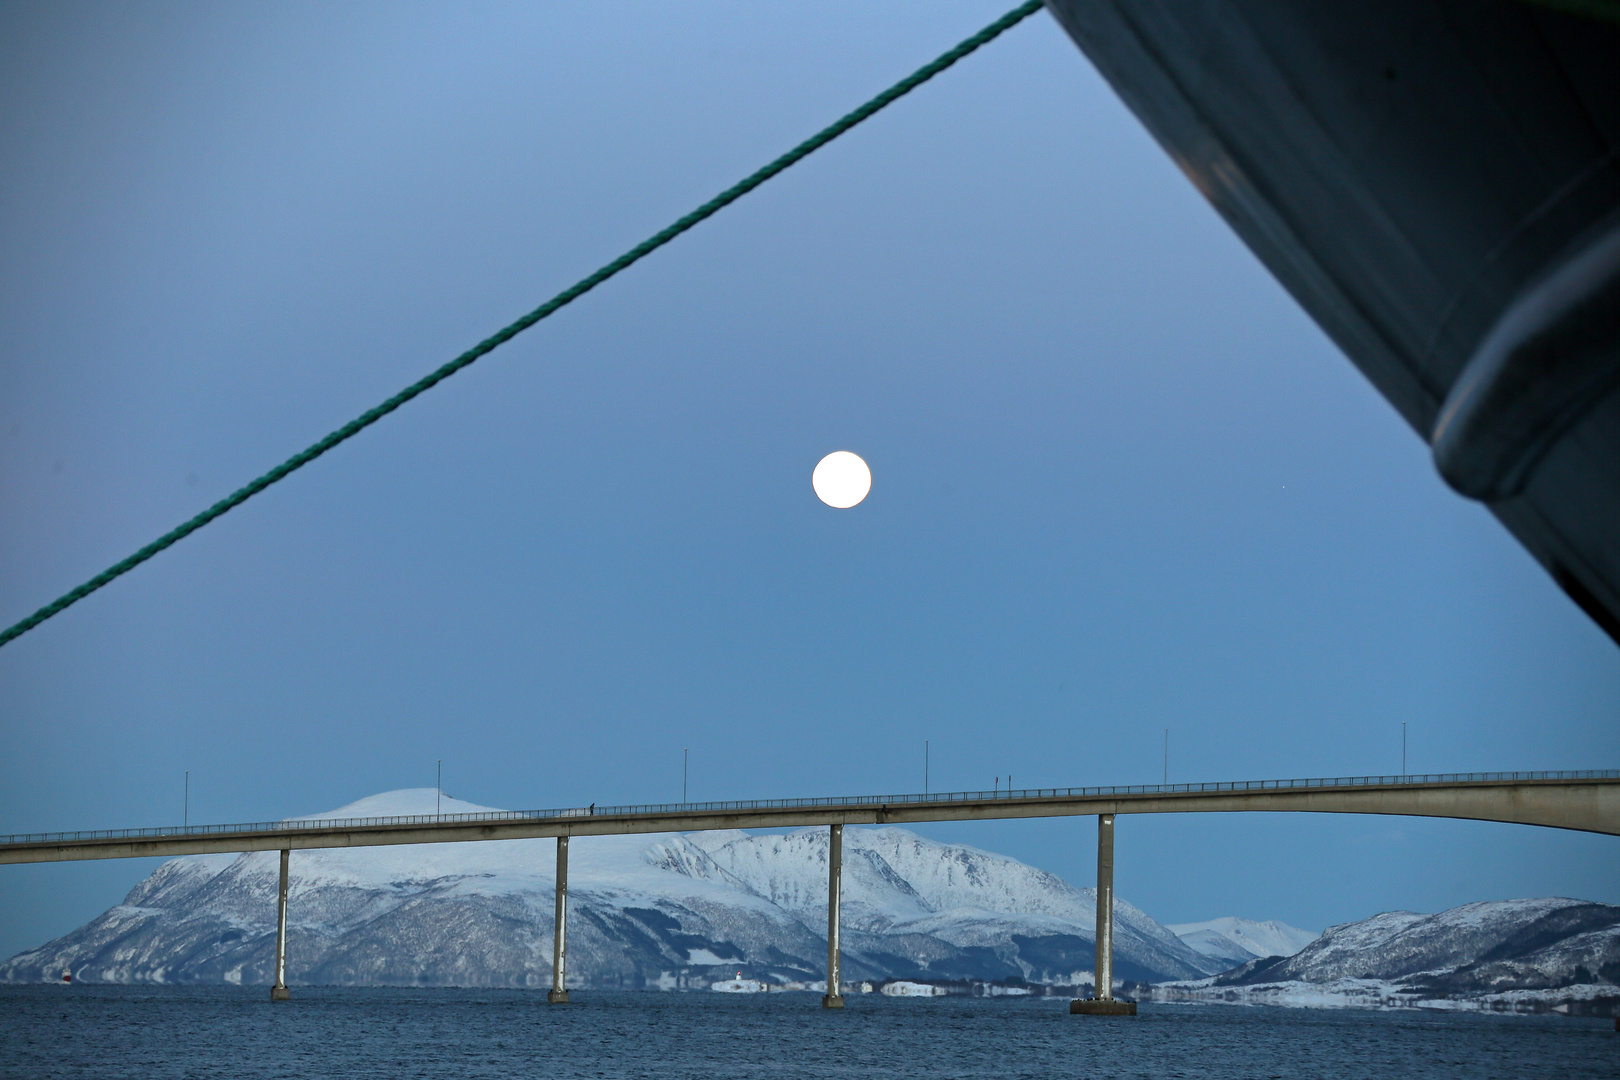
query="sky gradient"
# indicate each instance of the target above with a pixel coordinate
(1121, 482)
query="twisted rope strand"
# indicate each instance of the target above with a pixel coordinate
(501, 337)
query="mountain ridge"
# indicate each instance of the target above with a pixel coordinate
(1542, 954)
(665, 910)
(688, 910)
(1238, 941)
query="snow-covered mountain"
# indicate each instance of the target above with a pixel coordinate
(1237, 941)
(651, 910)
(1519, 954)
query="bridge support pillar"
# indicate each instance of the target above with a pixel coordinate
(278, 992)
(1102, 1002)
(558, 995)
(832, 999)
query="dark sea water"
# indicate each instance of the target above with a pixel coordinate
(157, 1033)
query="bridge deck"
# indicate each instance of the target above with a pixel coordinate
(1587, 801)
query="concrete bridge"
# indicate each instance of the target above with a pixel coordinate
(1587, 801)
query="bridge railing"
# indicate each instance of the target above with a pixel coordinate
(829, 802)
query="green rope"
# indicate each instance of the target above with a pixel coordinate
(568, 295)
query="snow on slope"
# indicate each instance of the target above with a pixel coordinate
(896, 882)
(1237, 941)
(1552, 953)
(662, 910)
(1401, 943)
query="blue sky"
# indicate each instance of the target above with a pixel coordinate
(1121, 482)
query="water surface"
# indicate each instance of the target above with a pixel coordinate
(157, 1033)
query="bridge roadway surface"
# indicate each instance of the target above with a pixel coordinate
(1588, 801)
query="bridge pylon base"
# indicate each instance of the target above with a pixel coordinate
(832, 1001)
(557, 997)
(1101, 1007)
(280, 993)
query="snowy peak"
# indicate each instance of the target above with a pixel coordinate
(650, 910)
(896, 882)
(406, 802)
(1237, 941)
(947, 876)
(892, 877)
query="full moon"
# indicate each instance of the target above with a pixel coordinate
(841, 479)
